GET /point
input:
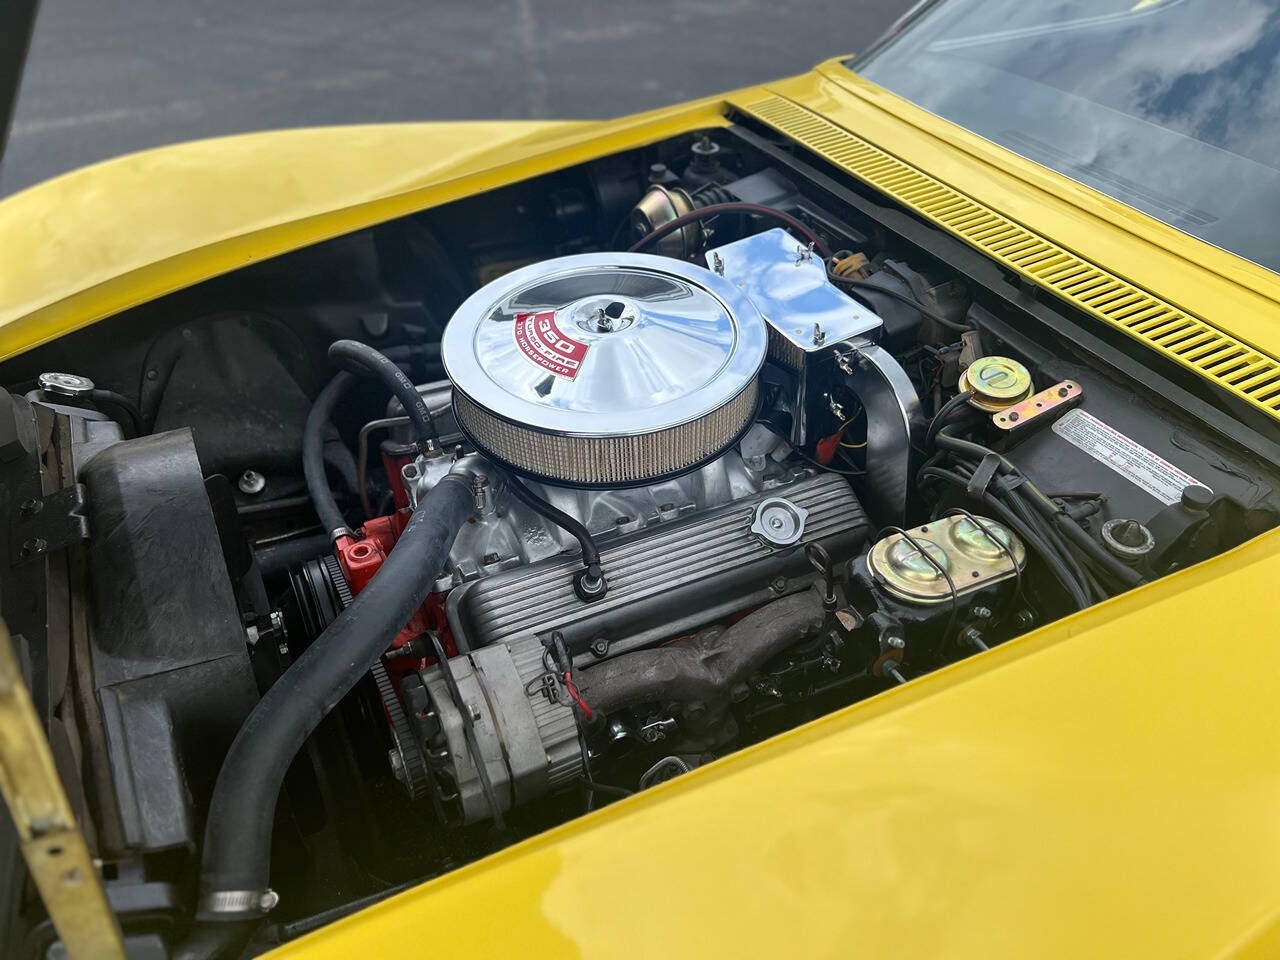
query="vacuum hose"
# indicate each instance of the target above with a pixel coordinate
(589, 583)
(313, 432)
(356, 357)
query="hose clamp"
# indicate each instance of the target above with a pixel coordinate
(228, 904)
(337, 533)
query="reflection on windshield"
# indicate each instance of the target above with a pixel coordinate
(1080, 20)
(1171, 106)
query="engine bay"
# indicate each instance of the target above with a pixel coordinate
(344, 569)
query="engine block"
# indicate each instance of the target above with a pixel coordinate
(667, 577)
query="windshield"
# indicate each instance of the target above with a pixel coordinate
(1171, 106)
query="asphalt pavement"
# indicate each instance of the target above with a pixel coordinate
(105, 77)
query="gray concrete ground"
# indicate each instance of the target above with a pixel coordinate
(107, 77)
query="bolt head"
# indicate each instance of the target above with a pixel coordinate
(268, 900)
(251, 482)
(397, 764)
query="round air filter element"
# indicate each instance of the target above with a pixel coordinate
(605, 369)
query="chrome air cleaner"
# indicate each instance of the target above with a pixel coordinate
(605, 369)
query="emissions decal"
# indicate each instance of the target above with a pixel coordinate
(1127, 457)
(545, 344)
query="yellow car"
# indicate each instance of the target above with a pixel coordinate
(834, 518)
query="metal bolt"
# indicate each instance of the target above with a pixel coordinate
(34, 547)
(397, 764)
(717, 264)
(844, 364)
(819, 337)
(981, 613)
(776, 523)
(251, 482)
(268, 900)
(29, 508)
(778, 584)
(599, 646)
(897, 643)
(480, 492)
(474, 711)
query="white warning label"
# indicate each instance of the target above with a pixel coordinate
(1131, 460)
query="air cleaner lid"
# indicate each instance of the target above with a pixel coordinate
(605, 345)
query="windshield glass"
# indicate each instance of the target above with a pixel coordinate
(1171, 106)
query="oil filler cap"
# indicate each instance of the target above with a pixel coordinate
(779, 522)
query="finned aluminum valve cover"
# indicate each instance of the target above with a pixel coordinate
(605, 369)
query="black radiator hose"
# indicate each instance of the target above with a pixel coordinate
(235, 868)
(705, 667)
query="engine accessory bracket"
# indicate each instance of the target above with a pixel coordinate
(1037, 410)
(49, 524)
